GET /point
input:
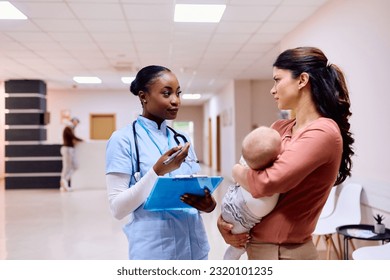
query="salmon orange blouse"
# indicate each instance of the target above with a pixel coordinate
(303, 174)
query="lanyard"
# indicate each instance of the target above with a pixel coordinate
(137, 174)
(151, 138)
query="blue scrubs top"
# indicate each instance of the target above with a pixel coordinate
(158, 235)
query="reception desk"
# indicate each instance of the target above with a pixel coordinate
(91, 171)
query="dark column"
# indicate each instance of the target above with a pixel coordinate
(30, 163)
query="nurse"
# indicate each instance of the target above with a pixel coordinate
(135, 158)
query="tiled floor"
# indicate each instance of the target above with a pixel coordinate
(53, 225)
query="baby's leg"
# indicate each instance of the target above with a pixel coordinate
(231, 212)
(233, 253)
(239, 228)
(259, 207)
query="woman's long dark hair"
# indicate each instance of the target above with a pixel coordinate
(329, 93)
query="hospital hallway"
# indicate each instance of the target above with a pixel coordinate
(48, 224)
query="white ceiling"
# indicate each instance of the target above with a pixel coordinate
(115, 38)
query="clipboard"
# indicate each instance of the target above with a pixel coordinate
(166, 192)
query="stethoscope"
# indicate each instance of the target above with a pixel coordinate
(176, 137)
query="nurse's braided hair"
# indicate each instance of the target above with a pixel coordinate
(329, 93)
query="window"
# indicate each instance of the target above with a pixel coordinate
(187, 128)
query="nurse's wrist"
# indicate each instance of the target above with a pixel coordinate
(150, 177)
(157, 170)
(211, 207)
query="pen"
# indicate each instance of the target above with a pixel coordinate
(172, 157)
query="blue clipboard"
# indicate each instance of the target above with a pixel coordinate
(167, 191)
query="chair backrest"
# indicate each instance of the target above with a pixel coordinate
(330, 204)
(348, 203)
(379, 252)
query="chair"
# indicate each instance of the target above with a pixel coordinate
(347, 211)
(328, 208)
(379, 252)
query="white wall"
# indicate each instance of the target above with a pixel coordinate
(123, 104)
(264, 109)
(221, 104)
(91, 172)
(242, 114)
(242, 105)
(83, 103)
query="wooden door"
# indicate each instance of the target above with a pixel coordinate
(102, 126)
(210, 143)
(218, 143)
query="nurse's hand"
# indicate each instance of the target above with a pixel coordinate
(235, 240)
(204, 203)
(162, 168)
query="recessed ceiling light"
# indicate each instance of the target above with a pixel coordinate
(9, 11)
(198, 13)
(87, 80)
(191, 96)
(127, 80)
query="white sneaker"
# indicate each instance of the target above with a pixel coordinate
(64, 185)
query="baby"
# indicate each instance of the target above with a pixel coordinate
(259, 150)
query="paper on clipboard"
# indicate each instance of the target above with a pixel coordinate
(167, 191)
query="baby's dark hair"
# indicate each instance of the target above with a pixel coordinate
(145, 77)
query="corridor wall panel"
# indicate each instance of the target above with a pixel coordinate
(35, 102)
(29, 161)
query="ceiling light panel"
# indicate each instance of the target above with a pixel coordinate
(191, 96)
(87, 80)
(9, 11)
(198, 13)
(127, 80)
